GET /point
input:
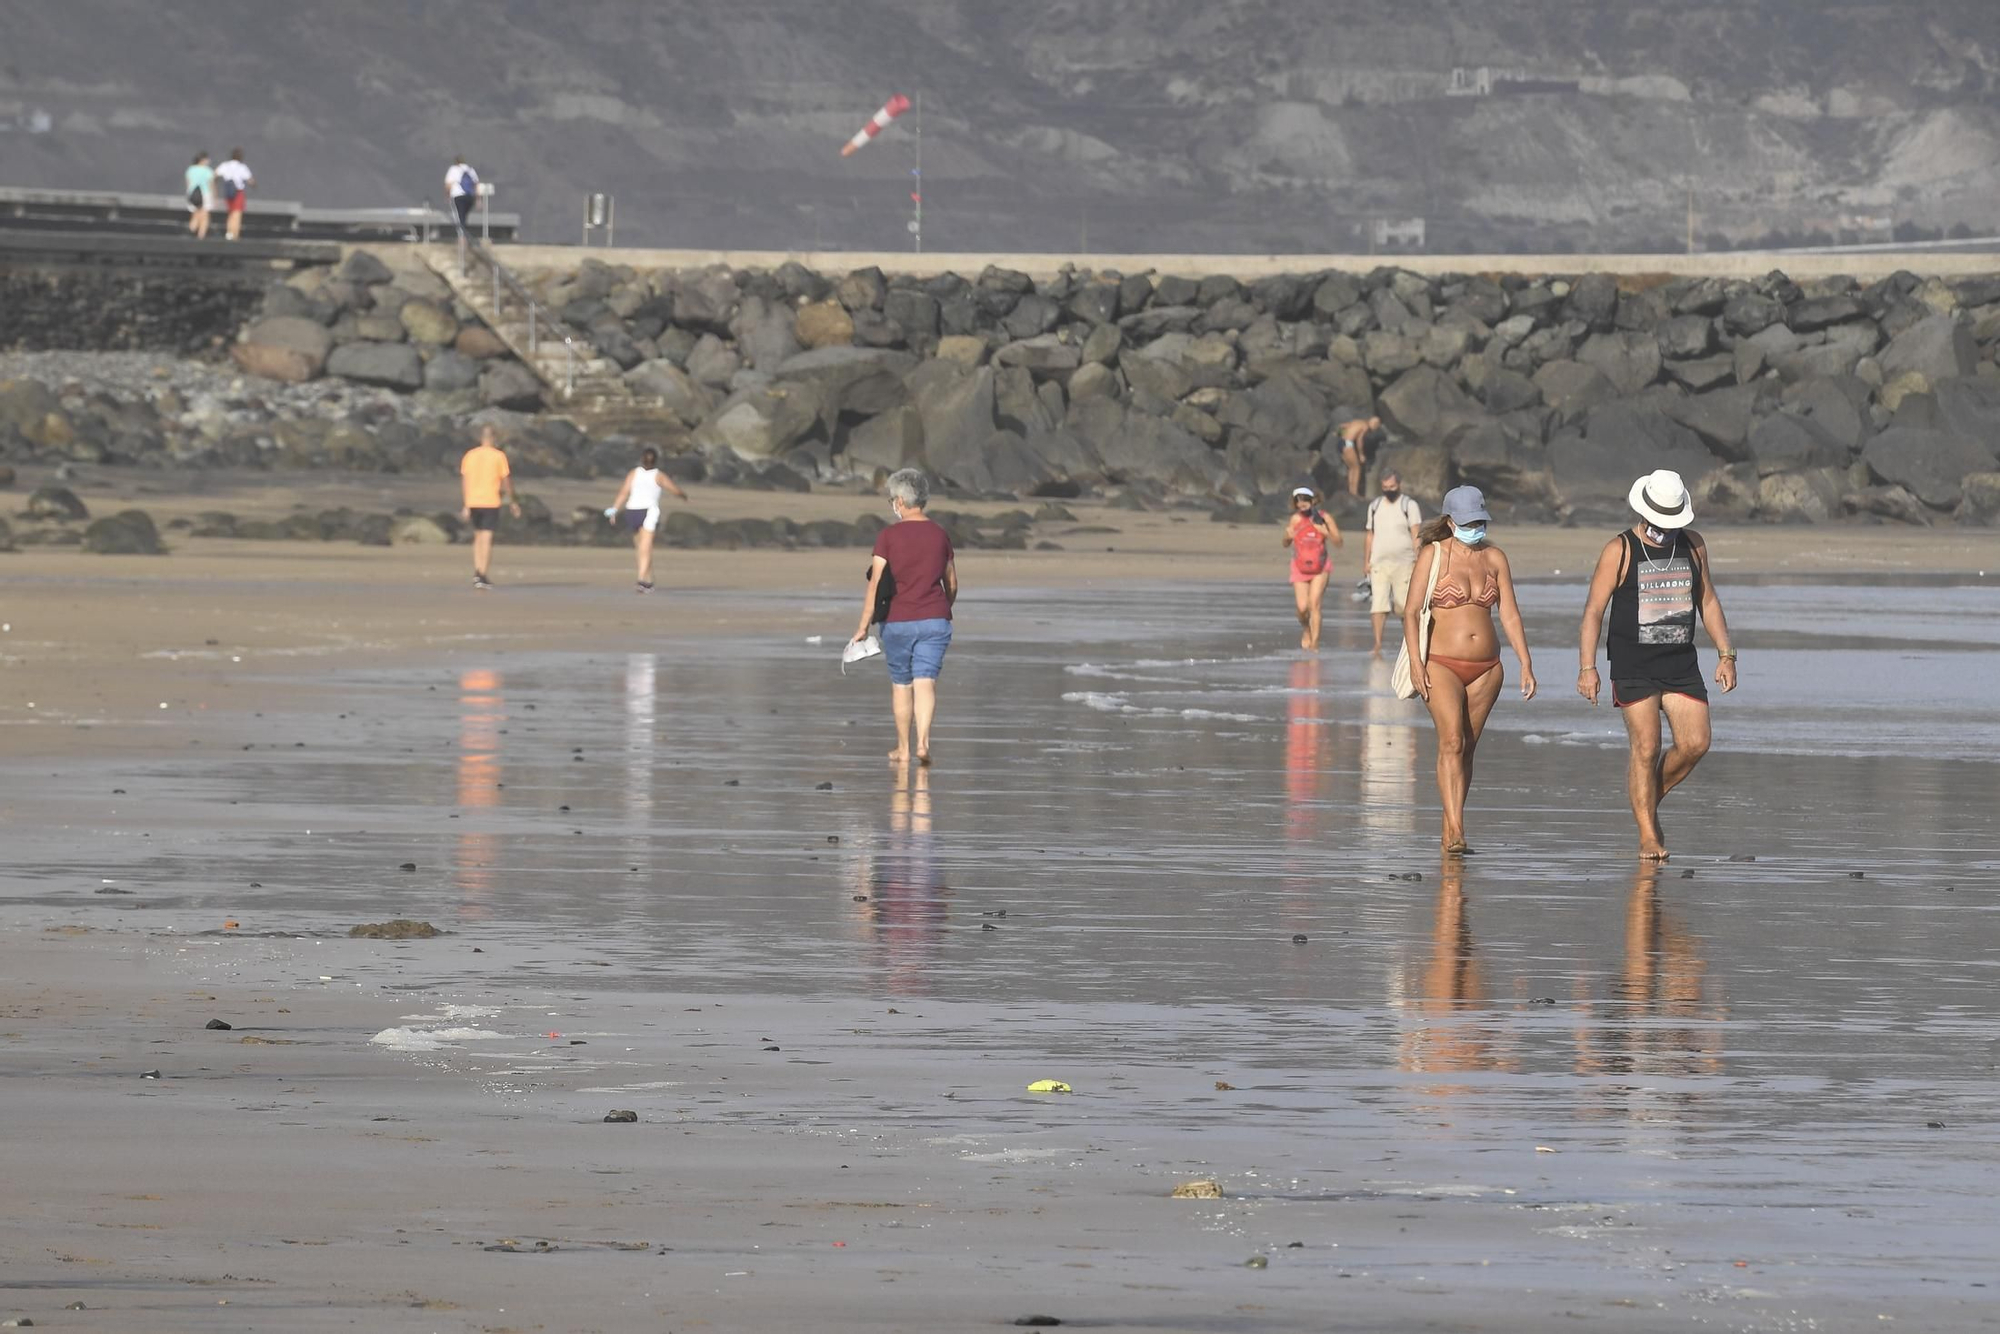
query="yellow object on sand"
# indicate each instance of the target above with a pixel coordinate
(1205, 1189)
(1049, 1086)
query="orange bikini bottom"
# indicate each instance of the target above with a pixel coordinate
(1466, 672)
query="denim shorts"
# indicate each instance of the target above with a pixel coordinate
(915, 649)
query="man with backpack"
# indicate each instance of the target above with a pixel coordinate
(1389, 551)
(233, 180)
(461, 187)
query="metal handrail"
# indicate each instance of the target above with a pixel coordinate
(503, 277)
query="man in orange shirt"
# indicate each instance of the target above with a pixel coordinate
(487, 479)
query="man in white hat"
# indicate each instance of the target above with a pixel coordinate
(1654, 576)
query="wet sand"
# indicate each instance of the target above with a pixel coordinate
(1540, 1086)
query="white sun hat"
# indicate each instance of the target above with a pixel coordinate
(1662, 500)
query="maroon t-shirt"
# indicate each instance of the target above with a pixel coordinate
(917, 551)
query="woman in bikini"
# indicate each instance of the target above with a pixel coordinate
(1461, 676)
(1308, 532)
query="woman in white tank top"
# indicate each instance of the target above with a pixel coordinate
(638, 508)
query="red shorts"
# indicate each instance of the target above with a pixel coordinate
(242, 198)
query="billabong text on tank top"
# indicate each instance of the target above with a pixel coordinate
(1666, 596)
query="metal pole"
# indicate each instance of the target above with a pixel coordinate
(534, 320)
(496, 287)
(917, 194)
(486, 215)
(611, 222)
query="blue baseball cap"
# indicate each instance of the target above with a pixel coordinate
(1463, 504)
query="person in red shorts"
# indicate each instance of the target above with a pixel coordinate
(234, 179)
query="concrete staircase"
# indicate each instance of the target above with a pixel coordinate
(586, 388)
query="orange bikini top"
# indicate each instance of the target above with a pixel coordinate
(1451, 594)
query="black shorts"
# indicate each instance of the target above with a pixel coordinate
(1631, 689)
(463, 203)
(485, 518)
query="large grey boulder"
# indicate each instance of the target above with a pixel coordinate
(126, 533)
(284, 347)
(1156, 320)
(1837, 406)
(447, 372)
(893, 440)
(1018, 408)
(677, 391)
(509, 385)
(1156, 367)
(1808, 496)
(58, 503)
(1820, 312)
(391, 365)
(1137, 447)
(1970, 408)
(1045, 356)
(1593, 301)
(955, 406)
(363, 269)
(1572, 388)
(1936, 348)
(429, 322)
(1933, 465)
(712, 361)
(1631, 361)
(1981, 502)
(1788, 443)
(1685, 337)
(761, 422)
(1285, 410)
(915, 313)
(765, 336)
(1501, 461)
(1593, 469)
(860, 380)
(1703, 373)
(1424, 404)
(1750, 312)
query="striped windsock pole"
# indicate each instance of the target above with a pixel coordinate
(877, 123)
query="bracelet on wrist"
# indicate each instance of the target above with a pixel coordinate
(1727, 655)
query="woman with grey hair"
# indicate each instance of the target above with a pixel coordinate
(914, 566)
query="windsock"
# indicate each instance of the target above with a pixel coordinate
(877, 123)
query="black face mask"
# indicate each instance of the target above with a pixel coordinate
(1391, 492)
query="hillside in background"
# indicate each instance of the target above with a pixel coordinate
(1157, 125)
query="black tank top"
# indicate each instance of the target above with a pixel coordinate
(1653, 611)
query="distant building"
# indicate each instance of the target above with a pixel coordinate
(1398, 233)
(1470, 82)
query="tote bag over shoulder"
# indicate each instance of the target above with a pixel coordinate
(1401, 680)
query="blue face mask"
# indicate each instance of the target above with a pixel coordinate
(1472, 536)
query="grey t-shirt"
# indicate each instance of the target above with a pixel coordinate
(1391, 522)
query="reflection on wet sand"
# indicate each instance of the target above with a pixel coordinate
(1307, 746)
(481, 711)
(1388, 759)
(1664, 979)
(907, 906)
(1450, 1027)
(641, 679)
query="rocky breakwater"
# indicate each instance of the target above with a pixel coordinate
(1777, 400)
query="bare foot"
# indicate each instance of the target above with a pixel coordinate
(1653, 852)
(1305, 641)
(923, 759)
(899, 757)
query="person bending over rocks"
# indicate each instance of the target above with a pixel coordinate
(1654, 576)
(917, 557)
(1357, 439)
(637, 509)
